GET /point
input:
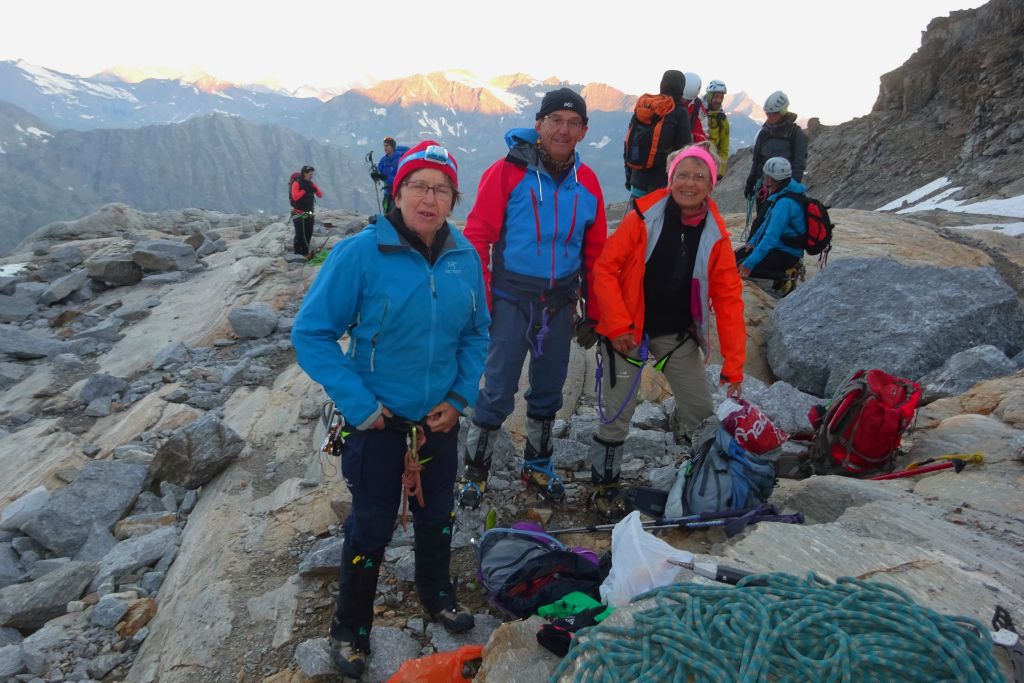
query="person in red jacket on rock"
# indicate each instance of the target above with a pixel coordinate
(302, 191)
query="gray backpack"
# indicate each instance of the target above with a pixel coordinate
(720, 476)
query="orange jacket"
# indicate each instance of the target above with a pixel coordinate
(619, 281)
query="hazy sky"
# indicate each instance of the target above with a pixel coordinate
(827, 55)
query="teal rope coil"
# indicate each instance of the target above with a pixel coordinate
(783, 629)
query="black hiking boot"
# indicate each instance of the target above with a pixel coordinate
(353, 616)
(349, 655)
(609, 500)
(454, 618)
(432, 547)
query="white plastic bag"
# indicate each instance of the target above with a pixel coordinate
(639, 562)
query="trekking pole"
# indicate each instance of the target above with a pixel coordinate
(373, 167)
(672, 522)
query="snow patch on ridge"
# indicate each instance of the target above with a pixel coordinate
(916, 195)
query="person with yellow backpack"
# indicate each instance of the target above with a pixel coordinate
(717, 122)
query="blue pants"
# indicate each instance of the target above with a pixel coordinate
(512, 336)
(372, 464)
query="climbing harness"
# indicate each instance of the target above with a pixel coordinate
(412, 487)
(638, 363)
(779, 627)
(599, 373)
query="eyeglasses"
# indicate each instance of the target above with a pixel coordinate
(418, 189)
(574, 125)
(684, 177)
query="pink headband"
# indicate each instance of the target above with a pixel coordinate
(699, 153)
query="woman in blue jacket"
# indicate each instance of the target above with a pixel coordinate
(408, 290)
(770, 251)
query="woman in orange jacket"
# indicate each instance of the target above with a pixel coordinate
(668, 262)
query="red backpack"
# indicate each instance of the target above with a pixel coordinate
(817, 238)
(860, 431)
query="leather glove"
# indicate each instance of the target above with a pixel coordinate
(377, 177)
(586, 335)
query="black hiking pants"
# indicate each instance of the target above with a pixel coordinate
(772, 266)
(303, 233)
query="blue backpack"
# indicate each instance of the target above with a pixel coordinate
(722, 476)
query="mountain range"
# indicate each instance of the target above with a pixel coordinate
(198, 141)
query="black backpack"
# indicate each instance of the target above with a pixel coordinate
(649, 138)
(817, 237)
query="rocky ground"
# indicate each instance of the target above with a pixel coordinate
(164, 514)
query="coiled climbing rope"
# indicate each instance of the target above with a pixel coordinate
(781, 628)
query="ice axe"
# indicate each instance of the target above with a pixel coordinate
(942, 462)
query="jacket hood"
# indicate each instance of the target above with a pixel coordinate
(522, 145)
(792, 186)
(517, 135)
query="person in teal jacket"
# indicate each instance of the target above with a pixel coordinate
(769, 253)
(408, 291)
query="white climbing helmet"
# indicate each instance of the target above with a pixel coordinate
(692, 88)
(777, 103)
(716, 86)
(778, 168)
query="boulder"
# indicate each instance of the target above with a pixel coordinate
(512, 655)
(390, 647)
(49, 645)
(101, 385)
(63, 287)
(135, 553)
(21, 345)
(323, 558)
(175, 353)
(67, 255)
(14, 309)
(20, 510)
(114, 270)
(10, 566)
(253, 321)
(908, 320)
(314, 658)
(101, 493)
(30, 605)
(106, 331)
(965, 369)
(197, 452)
(162, 255)
(11, 661)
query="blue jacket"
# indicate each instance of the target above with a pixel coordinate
(387, 166)
(535, 235)
(418, 333)
(784, 218)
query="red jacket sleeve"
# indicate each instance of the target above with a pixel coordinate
(593, 243)
(316, 189)
(297, 192)
(487, 217)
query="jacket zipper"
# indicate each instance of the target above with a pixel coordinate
(536, 217)
(376, 335)
(572, 228)
(554, 241)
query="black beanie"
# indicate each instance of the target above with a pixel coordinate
(560, 99)
(672, 83)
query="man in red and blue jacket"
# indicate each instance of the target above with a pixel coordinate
(539, 226)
